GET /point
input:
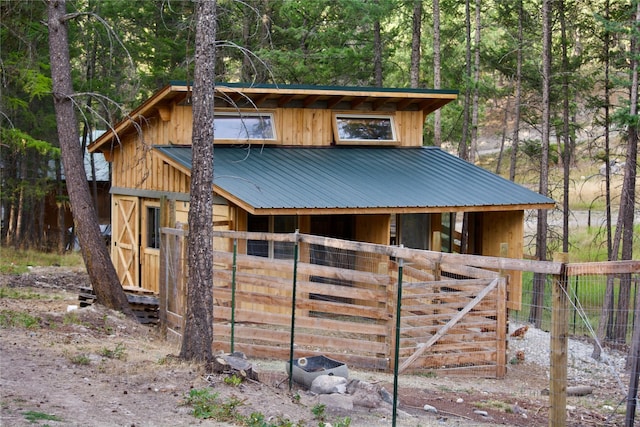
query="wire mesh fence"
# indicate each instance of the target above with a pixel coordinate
(294, 295)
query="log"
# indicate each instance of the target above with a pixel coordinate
(234, 363)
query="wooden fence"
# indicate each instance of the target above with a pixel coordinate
(343, 297)
(453, 316)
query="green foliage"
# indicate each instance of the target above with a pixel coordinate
(119, 352)
(11, 318)
(206, 404)
(233, 380)
(72, 318)
(13, 261)
(33, 416)
(17, 293)
(80, 359)
(318, 411)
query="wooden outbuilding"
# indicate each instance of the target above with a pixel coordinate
(343, 162)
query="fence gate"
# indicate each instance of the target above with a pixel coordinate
(173, 280)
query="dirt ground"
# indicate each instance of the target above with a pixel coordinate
(93, 367)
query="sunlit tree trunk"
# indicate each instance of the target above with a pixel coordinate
(377, 49)
(198, 332)
(473, 151)
(416, 39)
(437, 115)
(515, 139)
(96, 257)
(537, 297)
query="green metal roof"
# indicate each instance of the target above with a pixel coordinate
(355, 178)
(318, 88)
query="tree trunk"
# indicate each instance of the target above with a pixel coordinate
(377, 49)
(607, 304)
(628, 196)
(198, 333)
(463, 149)
(505, 121)
(416, 38)
(518, 98)
(566, 157)
(539, 280)
(473, 151)
(437, 115)
(101, 272)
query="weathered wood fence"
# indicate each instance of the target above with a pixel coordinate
(343, 297)
(453, 315)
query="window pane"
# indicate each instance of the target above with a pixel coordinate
(367, 128)
(283, 224)
(258, 247)
(243, 127)
(153, 227)
(415, 230)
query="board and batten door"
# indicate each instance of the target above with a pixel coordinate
(126, 239)
(150, 246)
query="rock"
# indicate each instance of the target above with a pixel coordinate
(386, 396)
(579, 390)
(460, 400)
(431, 409)
(367, 395)
(517, 409)
(481, 413)
(336, 402)
(327, 384)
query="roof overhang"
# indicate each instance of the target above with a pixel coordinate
(350, 180)
(282, 96)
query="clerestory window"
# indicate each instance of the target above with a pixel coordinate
(364, 129)
(244, 126)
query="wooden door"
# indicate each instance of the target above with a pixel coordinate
(150, 247)
(126, 239)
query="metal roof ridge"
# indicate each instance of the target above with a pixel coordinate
(246, 85)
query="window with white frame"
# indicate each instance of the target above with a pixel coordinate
(244, 126)
(364, 129)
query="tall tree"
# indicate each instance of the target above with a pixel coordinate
(437, 117)
(539, 279)
(102, 274)
(463, 149)
(626, 216)
(566, 164)
(473, 151)
(198, 332)
(515, 140)
(377, 47)
(416, 40)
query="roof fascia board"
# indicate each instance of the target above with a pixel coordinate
(142, 110)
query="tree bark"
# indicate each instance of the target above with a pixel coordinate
(463, 149)
(518, 98)
(437, 115)
(377, 49)
(102, 274)
(198, 332)
(539, 279)
(628, 196)
(416, 38)
(566, 157)
(473, 150)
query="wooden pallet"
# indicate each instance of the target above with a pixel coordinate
(144, 304)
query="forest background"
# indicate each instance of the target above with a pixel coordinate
(553, 87)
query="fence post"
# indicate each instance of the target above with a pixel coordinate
(293, 307)
(233, 293)
(559, 346)
(396, 356)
